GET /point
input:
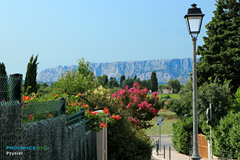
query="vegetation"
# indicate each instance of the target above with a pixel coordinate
(226, 135)
(3, 81)
(30, 83)
(154, 83)
(174, 84)
(2, 69)
(220, 53)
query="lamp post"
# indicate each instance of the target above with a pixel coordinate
(194, 21)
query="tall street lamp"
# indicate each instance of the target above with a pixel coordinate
(194, 21)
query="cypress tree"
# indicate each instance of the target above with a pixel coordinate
(220, 55)
(121, 80)
(105, 81)
(3, 82)
(135, 77)
(30, 84)
(154, 83)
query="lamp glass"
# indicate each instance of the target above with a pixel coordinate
(194, 23)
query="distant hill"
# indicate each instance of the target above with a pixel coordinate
(165, 69)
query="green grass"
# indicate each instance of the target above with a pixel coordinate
(166, 128)
(168, 119)
(173, 96)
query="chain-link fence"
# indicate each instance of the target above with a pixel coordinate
(29, 132)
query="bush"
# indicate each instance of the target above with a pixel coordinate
(226, 135)
(182, 132)
(124, 141)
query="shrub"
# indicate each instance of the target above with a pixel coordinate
(182, 132)
(226, 135)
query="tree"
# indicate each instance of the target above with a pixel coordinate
(128, 82)
(105, 80)
(146, 83)
(113, 83)
(135, 77)
(76, 81)
(121, 80)
(154, 83)
(220, 53)
(2, 69)
(3, 82)
(30, 83)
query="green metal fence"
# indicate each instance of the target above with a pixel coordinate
(62, 137)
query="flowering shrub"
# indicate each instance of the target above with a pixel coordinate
(99, 120)
(140, 108)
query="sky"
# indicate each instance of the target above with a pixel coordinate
(60, 32)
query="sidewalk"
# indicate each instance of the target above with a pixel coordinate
(174, 156)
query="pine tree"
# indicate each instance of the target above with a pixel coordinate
(154, 83)
(220, 55)
(30, 84)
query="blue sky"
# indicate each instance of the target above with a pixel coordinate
(61, 32)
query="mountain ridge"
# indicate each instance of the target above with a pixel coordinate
(165, 69)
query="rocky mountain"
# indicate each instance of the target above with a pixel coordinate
(165, 69)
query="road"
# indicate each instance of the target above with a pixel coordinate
(165, 140)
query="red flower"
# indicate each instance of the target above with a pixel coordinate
(103, 125)
(23, 106)
(105, 110)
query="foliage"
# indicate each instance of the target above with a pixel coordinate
(76, 81)
(175, 84)
(226, 135)
(3, 81)
(128, 82)
(113, 83)
(219, 95)
(182, 132)
(125, 142)
(2, 69)
(220, 54)
(121, 80)
(146, 84)
(184, 104)
(140, 108)
(235, 106)
(154, 83)
(30, 83)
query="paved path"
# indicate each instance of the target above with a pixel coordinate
(166, 140)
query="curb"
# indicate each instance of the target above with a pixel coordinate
(168, 135)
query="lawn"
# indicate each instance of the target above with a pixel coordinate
(166, 128)
(168, 119)
(173, 96)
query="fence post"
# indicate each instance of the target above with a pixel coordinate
(169, 152)
(61, 106)
(62, 110)
(164, 151)
(15, 87)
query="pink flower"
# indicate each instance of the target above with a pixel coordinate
(157, 98)
(154, 111)
(128, 106)
(126, 87)
(155, 94)
(147, 97)
(113, 95)
(140, 108)
(135, 85)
